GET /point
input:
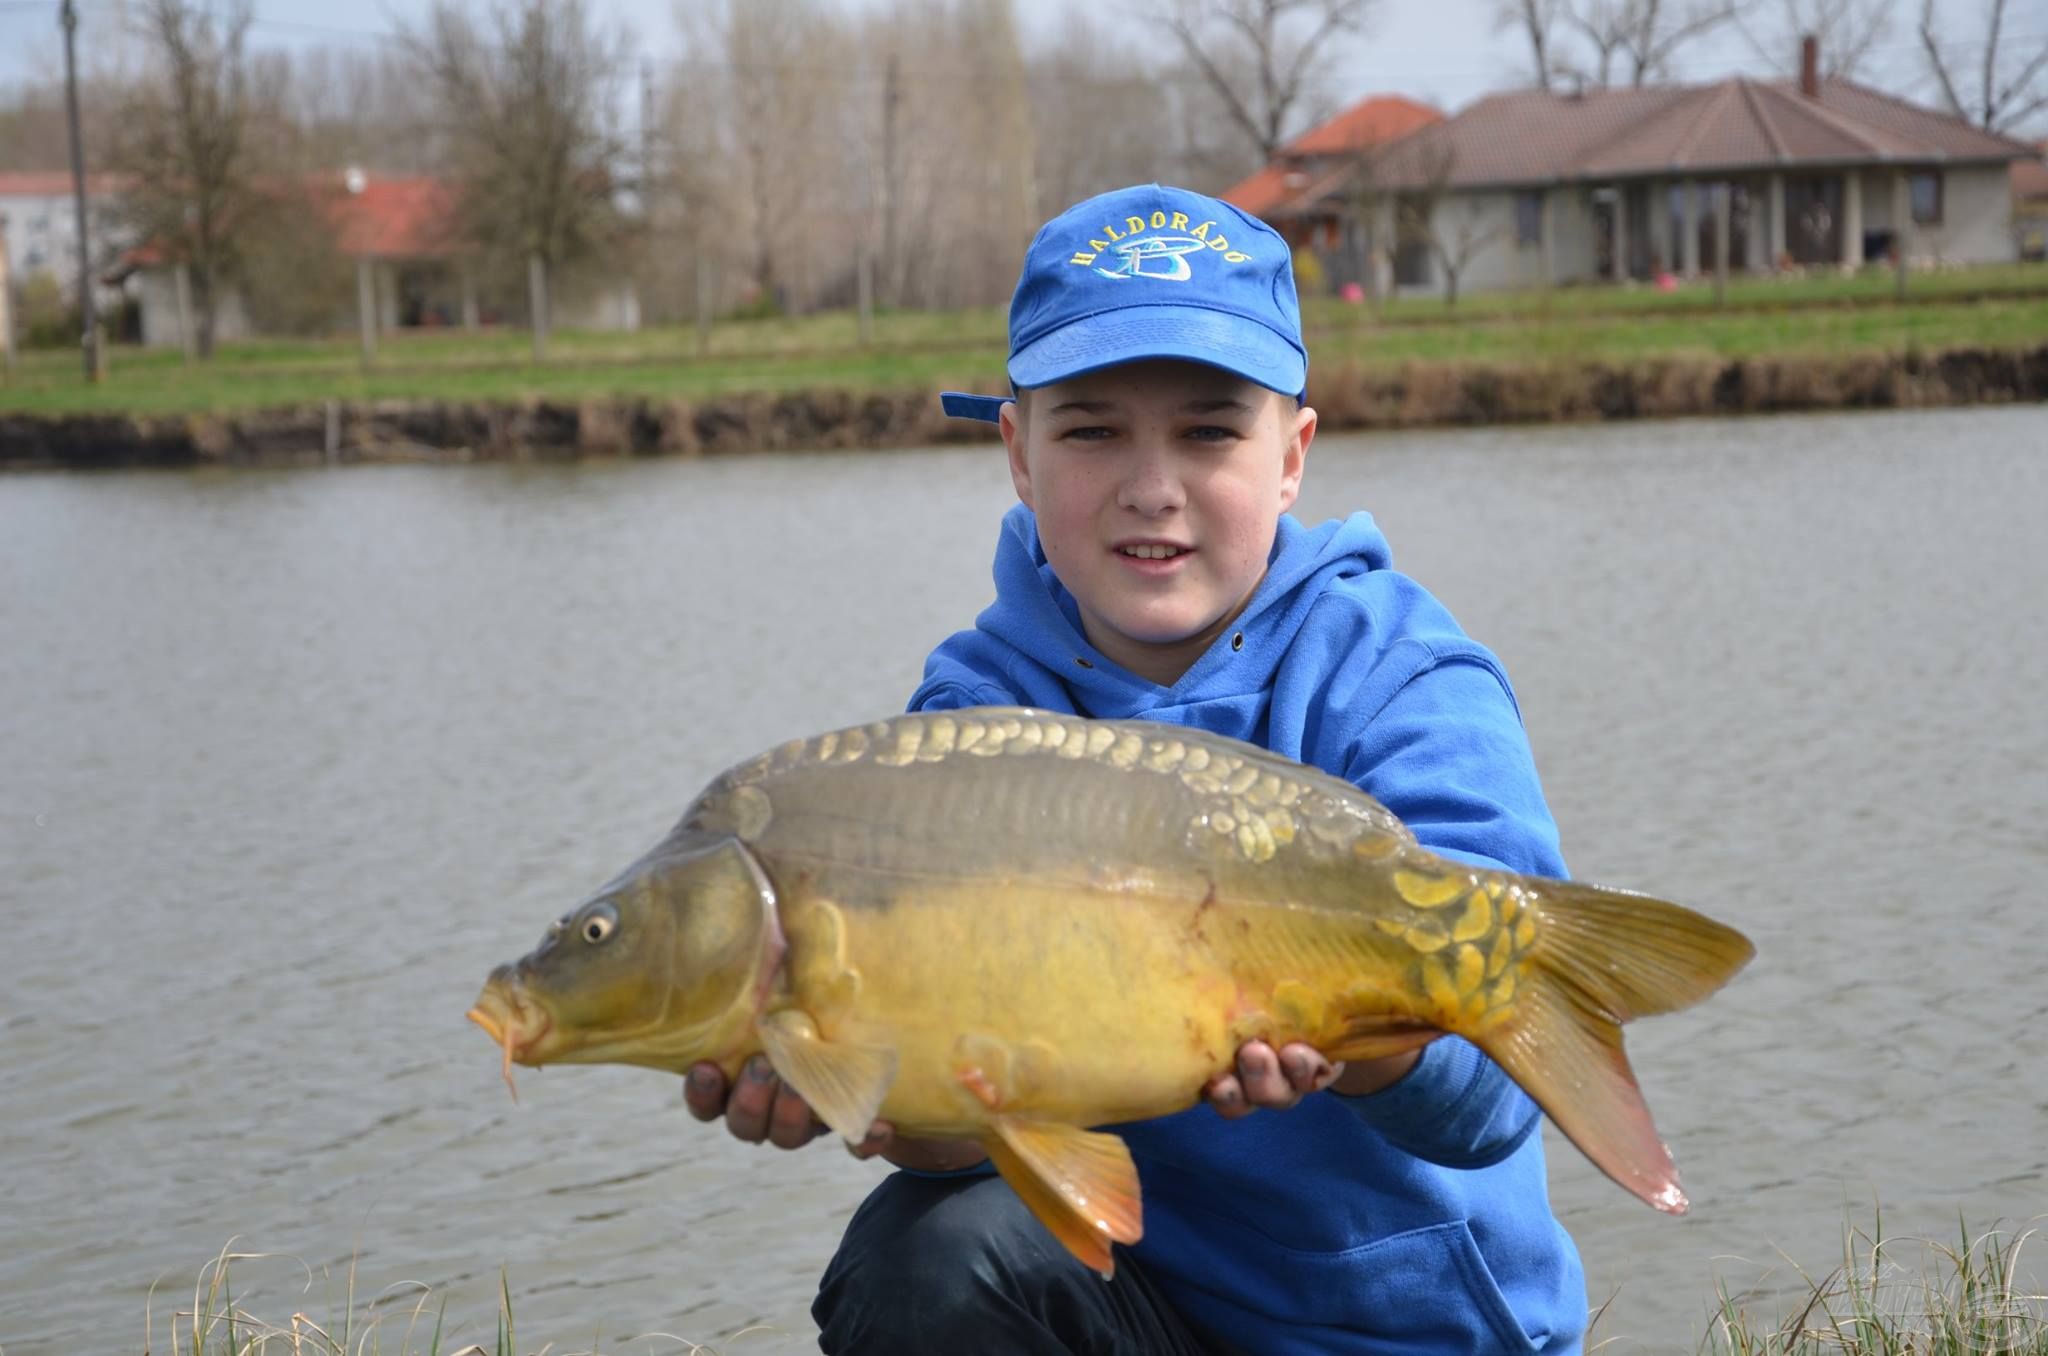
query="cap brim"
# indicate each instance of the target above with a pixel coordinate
(960, 405)
(1190, 333)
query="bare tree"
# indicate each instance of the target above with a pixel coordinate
(2012, 81)
(185, 141)
(1847, 30)
(524, 114)
(1643, 34)
(1369, 205)
(1599, 25)
(1456, 228)
(1655, 29)
(1261, 56)
(32, 131)
(354, 107)
(1537, 21)
(765, 81)
(1096, 112)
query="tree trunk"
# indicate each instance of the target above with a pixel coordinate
(202, 306)
(366, 309)
(537, 304)
(181, 278)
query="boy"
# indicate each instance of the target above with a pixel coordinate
(1156, 440)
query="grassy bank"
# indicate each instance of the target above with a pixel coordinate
(1900, 1297)
(1996, 309)
(1888, 1296)
(1350, 396)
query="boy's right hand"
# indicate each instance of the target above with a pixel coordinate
(761, 1107)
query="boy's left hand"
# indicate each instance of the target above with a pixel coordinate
(1279, 1079)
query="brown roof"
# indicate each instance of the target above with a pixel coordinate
(1369, 122)
(394, 219)
(1267, 189)
(55, 184)
(1534, 137)
(1366, 123)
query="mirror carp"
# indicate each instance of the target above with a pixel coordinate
(1017, 926)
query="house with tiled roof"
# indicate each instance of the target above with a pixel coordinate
(39, 222)
(1533, 188)
(1310, 157)
(415, 269)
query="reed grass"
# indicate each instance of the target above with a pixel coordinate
(1893, 1295)
(394, 1322)
(1899, 1296)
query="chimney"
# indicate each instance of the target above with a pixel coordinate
(1809, 66)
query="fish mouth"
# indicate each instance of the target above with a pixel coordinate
(514, 1023)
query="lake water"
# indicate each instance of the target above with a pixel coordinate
(288, 760)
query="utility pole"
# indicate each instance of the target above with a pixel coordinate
(6, 303)
(892, 96)
(88, 312)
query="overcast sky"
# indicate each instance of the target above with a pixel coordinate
(1445, 52)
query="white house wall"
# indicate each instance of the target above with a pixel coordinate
(1500, 263)
(157, 291)
(1976, 228)
(1976, 219)
(42, 233)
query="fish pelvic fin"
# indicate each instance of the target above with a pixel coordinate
(1081, 1184)
(845, 1084)
(1601, 957)
(1378, 1036)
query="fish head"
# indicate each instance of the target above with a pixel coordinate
(664, 966)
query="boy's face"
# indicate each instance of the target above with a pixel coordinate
(1158, 488)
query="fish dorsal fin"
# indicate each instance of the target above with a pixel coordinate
(1080, 1183)
(844, 1084)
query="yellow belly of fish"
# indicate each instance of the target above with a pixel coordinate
(1045, 1003)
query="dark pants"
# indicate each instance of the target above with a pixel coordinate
(958, 1265)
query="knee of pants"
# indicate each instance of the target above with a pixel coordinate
(929, 1256)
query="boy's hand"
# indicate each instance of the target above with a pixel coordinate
(761, 1107)
(1278, 1080)
(756, 1108)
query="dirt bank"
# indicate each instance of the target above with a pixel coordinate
(1413, 396)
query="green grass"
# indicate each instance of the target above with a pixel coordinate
(1889, 1296)
(409, 1319)
(1900, 1297)
(2005, 307)
(1872, 285)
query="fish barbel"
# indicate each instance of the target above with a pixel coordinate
(1012, 926)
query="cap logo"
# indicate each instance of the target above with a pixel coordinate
(1170, 251)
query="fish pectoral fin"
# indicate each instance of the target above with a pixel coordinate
(845, 1084)
(1081, 1184)
(1380, 1035)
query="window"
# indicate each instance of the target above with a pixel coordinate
(1529, 217)
(1924, 188)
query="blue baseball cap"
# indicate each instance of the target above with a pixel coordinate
(1151, 272)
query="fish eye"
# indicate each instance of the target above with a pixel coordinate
(599, 923)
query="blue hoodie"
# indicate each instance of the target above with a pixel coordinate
(1415, 1220)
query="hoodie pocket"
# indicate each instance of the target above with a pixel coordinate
(1427, 1289)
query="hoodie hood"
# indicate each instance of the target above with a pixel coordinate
(1037, 619)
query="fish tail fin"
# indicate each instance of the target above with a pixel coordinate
(1596, 958)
